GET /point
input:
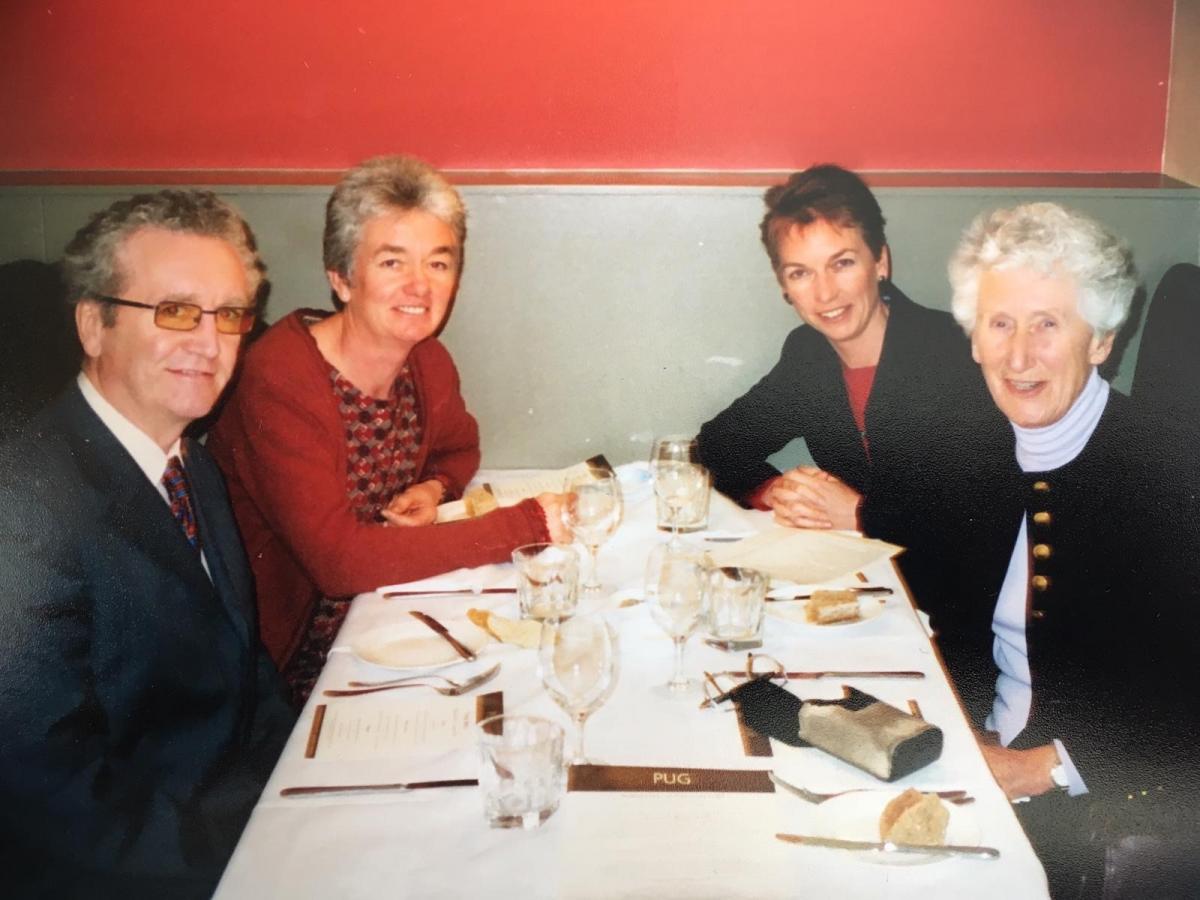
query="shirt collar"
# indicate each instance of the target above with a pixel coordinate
(145, 452)
(1053, 446)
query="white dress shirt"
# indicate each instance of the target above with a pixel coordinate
(149, 457)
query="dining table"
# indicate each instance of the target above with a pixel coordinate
(623, 843)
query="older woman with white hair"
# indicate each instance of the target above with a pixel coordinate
(1077, 617)
(346, 431)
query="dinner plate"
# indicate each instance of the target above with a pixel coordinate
(855, 817)
(413, 645)
(869, 607)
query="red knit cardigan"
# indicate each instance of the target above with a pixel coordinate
(281, 444)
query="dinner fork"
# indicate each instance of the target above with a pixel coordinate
(959, 798)
(452, 689)
(420, 676)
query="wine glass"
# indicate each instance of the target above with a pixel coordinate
(679, 485)
(674, 591)
(578, 664)
(592, 512)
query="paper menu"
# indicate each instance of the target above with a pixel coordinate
(804, 556)
(358, 729)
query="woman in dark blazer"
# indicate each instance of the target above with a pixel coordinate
(881, 389)
(1073, 636)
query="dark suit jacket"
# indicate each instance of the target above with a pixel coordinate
(1114, 614)
(139, 714)
(929, 420)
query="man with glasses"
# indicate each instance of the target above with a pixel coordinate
(139, 714)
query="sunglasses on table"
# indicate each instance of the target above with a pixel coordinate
(759, 667)
(175, 315)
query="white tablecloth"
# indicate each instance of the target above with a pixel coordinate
(435, 843)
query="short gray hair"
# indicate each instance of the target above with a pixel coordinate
(1052, 240)
(380, 185)
(90, 261)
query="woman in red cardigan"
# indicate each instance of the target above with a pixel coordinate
(346, 430)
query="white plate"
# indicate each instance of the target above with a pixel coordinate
(869, 607)
(855, 817)
(413, 645)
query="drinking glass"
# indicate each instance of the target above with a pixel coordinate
(592, 512)
(681, 486)
(674, 591)
(547, 580)
(578, 663)
(691, 515)
(521, 772)
(735, 598)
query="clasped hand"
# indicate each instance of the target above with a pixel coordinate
(808, 497)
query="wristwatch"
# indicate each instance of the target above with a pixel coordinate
(1058, 775)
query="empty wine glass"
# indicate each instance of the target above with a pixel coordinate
(578, 663)
(674, 592)
(679, 485)
(592, 512)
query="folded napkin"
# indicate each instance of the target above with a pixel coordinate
(859, 729)
(804, 556)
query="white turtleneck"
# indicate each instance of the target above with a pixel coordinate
(1038, 450)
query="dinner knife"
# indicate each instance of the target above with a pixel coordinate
(891, 847)
(437, 626)
(388, 595)
(830, 674)
(309, 790)
(866, 589)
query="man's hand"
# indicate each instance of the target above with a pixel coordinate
(417, 505)
(808, 497)
(552, 506)
(1020, 773)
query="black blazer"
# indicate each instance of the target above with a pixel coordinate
(1113, 631)
(929, 421)
(140, 715)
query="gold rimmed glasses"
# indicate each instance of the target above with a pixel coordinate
(176, 315)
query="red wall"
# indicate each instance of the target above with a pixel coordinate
(637, 84)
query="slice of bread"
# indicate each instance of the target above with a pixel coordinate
(915, 818)
(479, 501)
(525, 633)
(827, 607)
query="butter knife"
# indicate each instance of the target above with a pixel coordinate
(833, 674)
(890, 847)
(866, 589)
(309, 790)
(450, 639)
(388, 595)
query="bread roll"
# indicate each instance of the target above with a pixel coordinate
(915, 818)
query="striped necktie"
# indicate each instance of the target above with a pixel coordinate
(175, 481)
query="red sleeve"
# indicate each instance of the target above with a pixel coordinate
(281, 440)
(451, 432)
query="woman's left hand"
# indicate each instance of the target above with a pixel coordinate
(417, 505)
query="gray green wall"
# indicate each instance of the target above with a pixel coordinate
(591, 318)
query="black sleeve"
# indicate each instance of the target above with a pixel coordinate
(735, 444)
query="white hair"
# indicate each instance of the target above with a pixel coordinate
(1054, 241)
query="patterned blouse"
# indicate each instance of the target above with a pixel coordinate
(383, 440)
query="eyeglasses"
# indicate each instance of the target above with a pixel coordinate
(177, 316)
(759, 667)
